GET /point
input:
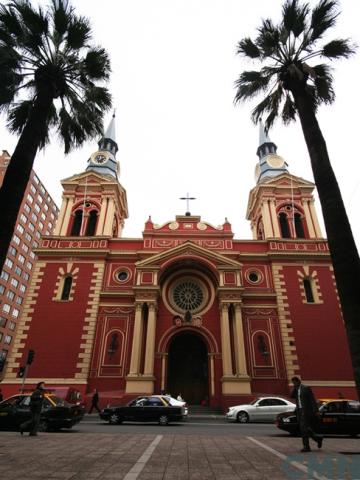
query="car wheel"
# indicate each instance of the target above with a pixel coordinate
(115, 419)
(163, 420)
(242, 417)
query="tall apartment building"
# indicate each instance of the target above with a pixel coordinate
(37, 217)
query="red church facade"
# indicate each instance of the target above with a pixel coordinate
(186, 308)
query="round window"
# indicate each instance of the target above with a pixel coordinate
(122, 276)
(188, 295)
(254, 276)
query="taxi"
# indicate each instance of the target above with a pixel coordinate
(340, 416)
(56, 413)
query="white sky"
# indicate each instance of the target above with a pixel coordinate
(174, 68)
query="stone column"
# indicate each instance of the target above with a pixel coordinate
(109, 219)
(275, 221)
(315, 219)
(239, 342)
(150, 341)
(212, 375)
(100, 225)
(60, 219)
(65, 223)
(268, 229)
(225, 340)
(136, 343)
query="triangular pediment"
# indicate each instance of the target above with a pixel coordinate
(187, 249)
(286, 179)
(88, 177)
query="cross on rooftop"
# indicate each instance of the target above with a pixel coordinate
(187, 198)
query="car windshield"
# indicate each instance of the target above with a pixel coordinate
(254, 401)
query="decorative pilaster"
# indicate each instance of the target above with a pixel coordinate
(225, 339)
(150, 341)
(239, 343)
(65, 223)
(136, 343)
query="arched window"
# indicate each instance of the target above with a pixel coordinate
(91, 224)
(284, 225)
(76, 227)
(308, 291)
(299, 228)
(65, 294)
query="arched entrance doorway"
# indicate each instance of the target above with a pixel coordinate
(188, 368)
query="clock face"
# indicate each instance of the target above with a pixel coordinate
(100, 158)
(275, 161)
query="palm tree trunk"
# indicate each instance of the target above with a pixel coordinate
(19, 170)
(343, 251)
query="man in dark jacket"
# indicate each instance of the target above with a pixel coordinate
(36, 402)
(307, 413)
(94, 402)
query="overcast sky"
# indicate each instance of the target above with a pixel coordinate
(174, 68)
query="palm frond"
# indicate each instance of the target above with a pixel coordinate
(98, 96)
(339, 48)
(270, 104)
(10, 21)
(323, 17)
(248, 48)
(61, 15)
(268, 39)
(250, 84)
(294, 17)
(35, 21)
(288, 112)
(78, 33)
(18, 116)
(97, 64)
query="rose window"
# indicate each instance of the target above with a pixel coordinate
(188, 295)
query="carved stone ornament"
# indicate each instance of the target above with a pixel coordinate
(173, 225)
(201, 226)
(184, 320)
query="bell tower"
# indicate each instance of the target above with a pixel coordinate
(94, 203)
(281, 205)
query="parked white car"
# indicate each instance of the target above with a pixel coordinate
(262, 409)
(175, 403)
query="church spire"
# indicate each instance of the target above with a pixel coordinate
(270, 164)
(104, 160)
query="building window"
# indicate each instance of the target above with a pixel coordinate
(9, 263)
(3, 321)
(284, 225)
(5, 276)
(46, 207)
(14, 282)
(31, 227)
(23, 218)
(30, 198)
(38, 235)
(299, 228)
(36, 180)
(20, 228)
(6, 308)
(12, 325)
(10, 295)
(91, 224)
(26, 276)
(309, 295)
(22, 288)
(37, 208)
(33, 189)
(29, 265)
(24, 247)
(19, 300)
(43, 216)
(27, 208)
(21, 258)
(28, 237)
(39, 199)
(34, 217)
(65, 294)
(16, 239)
(12, 251)
(7, 339)
(15, 313)
(18, 270)
(76, 227)
(42, 189)
(41, 225)
(2, 289)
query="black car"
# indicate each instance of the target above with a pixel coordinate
(338, 416)
(144, 409)
(56, 413)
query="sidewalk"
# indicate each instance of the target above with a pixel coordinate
(87, 456)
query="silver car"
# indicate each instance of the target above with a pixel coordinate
(262, 409)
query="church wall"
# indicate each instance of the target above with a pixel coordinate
(320, 337)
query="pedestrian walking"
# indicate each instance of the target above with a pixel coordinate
(95, 401)
(307, 413)
(36, 402)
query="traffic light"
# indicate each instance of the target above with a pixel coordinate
(30, 357)
(21, 372)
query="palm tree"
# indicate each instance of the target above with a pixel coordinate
(51, 79)
(292, 87)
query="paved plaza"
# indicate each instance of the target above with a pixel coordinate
(87, 456)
